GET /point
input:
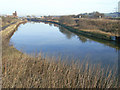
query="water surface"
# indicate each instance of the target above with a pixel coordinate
(54, 40)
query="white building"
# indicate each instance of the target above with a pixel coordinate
(119, 6)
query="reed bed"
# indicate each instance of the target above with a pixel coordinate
(27, 71)
(24, 71)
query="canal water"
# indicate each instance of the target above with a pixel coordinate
(54, 40)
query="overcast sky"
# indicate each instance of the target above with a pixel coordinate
(56, 7)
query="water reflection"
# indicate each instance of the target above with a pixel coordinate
(56, 40)
(68, 34)
(84, 39)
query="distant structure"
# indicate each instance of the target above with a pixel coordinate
(119, 9)
(114, 14)
(15, 14)
(119, 6)
(89, 15)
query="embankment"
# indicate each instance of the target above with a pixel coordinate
(102, 38)
(24, 71)
(9, 31)
(98, 34)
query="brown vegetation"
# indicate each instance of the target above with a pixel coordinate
(66, 20)
(7, 20)
(108, 27)
(25, 71)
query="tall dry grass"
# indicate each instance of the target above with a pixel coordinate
(24, 71)
(103, 25)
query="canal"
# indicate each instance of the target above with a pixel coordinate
(54, 40)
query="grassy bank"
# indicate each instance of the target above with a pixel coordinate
(100, 29)
(27, 71)
(6, 21)
(101, 38)
(101, 26)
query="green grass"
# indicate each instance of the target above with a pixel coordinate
(28, 71)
